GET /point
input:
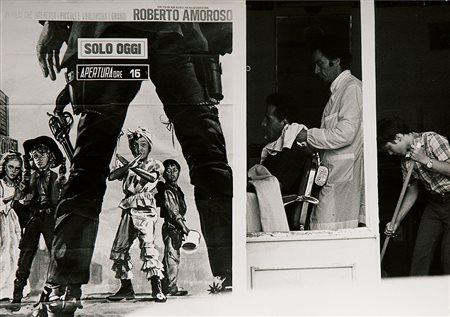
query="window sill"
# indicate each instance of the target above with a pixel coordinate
(342, 234)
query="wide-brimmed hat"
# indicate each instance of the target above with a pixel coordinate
(28, 145)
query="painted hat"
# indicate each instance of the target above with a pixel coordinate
(133, 135)
(28, 146)
(168, 162)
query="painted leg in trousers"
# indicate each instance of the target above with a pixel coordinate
(144, 220)
(197, 127)
(200, 135)
(171, 261)
(120, 250)
(78, 212)
(120, 255)
(28, 247)
(41, 223)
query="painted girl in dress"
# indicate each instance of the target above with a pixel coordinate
(10, 176)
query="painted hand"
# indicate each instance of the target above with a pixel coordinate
(50, 41)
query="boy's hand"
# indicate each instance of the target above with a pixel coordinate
(418, 154)
(186, 230)
(135, 163)
(390, 229)
(183, 226)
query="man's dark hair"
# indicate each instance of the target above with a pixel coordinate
(333, 47)
(282, 103)
(388, 128)
(169, 162)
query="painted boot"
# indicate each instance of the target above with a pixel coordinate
(157, 292)
(126, 291)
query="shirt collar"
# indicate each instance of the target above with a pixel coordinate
(43, 173)
(416, 137)
(172, 185)
(335, 85)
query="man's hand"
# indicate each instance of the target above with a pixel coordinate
(50, 41)
(417, 154)
(302, 136)
(390, 229)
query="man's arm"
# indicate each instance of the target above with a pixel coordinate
(441, 167)
(440, 148)
(408, 202)
(348, 124)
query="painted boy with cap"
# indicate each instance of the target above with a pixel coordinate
(173, 209)
(139, 216)
(40, 196)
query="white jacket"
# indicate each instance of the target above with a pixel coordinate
(341, 200)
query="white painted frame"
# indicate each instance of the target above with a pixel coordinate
(369, 233)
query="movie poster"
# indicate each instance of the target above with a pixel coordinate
(68, 71)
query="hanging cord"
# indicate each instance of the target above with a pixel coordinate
(169, 124)
(169, 127)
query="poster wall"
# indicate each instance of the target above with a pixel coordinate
(94, 77)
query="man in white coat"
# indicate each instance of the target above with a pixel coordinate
(340, 140)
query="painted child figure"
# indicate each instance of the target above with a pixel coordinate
(139, 216)
(40, 197)
(173, 209)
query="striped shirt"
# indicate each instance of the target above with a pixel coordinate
(436, 147)
(139, 192)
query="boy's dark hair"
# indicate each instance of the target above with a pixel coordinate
(282, 103)
(169, 162)
(333, 47)
(388, 128)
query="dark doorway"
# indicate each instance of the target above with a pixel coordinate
(279, 57)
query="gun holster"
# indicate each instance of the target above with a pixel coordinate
(61, 121)
(209, 71)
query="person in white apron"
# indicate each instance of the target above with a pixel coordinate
(340, 140)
